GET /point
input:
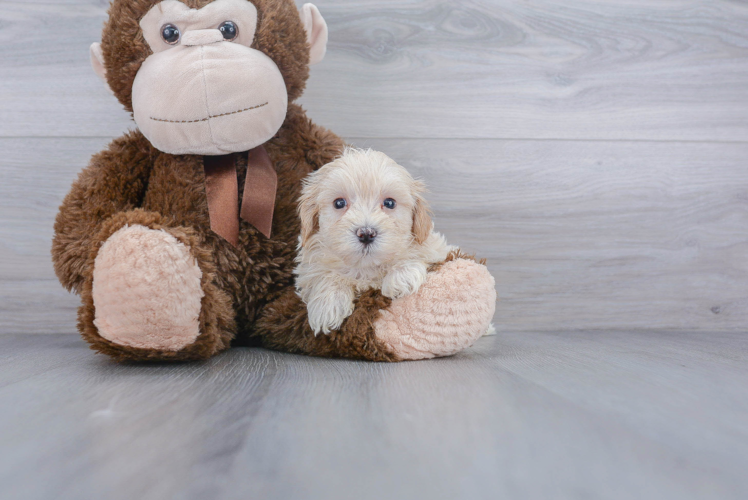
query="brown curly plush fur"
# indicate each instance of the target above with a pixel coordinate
(248, 290)
(454, 255)
(248, 293)
(284, 327)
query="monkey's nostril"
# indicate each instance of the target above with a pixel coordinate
(366, 235)
(201, 37)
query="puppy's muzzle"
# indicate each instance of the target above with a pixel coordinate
(366, 235)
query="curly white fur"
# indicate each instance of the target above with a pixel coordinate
(333, 265)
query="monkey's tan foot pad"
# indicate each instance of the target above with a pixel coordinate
(146, 290)
(450, 311)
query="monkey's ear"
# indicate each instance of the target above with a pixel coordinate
(97, 61)
(422, 224)
(316, 32)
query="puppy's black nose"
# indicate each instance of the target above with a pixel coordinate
(366, 235)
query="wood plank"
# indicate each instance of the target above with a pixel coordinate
(145, 412)
(37, 306)
(49, 89)
(472, 411)
(595, 235)
(650, 415)
(579, 234)
(37, 175)
(639, 367)
(573, 69)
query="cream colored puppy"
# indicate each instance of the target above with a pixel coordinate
(364, 224)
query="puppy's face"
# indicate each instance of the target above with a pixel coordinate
(363, 207)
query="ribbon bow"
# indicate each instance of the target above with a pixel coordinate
(222, 190)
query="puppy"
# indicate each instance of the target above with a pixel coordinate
(364, 224)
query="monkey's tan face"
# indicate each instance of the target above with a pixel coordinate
(205, 90)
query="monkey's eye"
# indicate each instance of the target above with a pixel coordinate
(228, 30)
(389, 203)
(340, 203)
(170, 34)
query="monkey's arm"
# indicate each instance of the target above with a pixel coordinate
(114, 181)
(284, 327)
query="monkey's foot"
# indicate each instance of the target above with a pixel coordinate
(146, 290)
(450, 311)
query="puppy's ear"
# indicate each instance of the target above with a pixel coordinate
(308, 209)
(422, 224)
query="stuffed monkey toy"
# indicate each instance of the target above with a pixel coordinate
(180, 237)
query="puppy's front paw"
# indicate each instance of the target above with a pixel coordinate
(328, 313)
(404, 280)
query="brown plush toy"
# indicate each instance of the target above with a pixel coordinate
(180, 237)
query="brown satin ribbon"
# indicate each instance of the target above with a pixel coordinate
(222, 191)
(258, 202)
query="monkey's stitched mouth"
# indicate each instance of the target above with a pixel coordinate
(211, 116)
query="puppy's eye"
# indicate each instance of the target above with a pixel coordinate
(229, 30)
(170, 34)
(389, 203)
(340, 203)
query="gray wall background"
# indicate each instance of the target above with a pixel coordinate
(596, 152)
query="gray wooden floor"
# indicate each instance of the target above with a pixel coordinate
(603, 415)
(595, 152)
